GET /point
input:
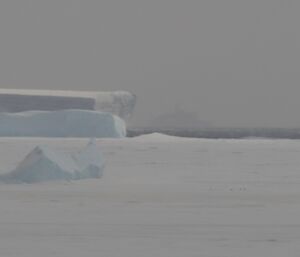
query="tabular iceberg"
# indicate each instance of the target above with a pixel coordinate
(65, 123)
(120, 103)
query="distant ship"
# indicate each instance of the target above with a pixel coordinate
(179, 119)
(120, 103)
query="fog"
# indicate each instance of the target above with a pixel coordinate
(234, 62)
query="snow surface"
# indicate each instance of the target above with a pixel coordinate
(210, 198)
(65, 123)
(44, 164)
(120, 103)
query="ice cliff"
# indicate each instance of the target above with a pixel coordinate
(65, 123)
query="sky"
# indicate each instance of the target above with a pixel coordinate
(234, 62)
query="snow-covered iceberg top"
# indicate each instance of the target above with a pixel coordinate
(44, 164)
(65, 123)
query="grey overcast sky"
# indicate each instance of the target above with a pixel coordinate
(235, 62)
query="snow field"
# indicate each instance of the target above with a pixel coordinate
(159, 196)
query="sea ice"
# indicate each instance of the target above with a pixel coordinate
(44, 163)
(65, 123)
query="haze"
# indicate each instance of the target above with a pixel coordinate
(235, 62)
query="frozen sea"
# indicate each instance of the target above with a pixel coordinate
(160, 196)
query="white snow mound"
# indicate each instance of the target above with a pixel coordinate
(158, 137)
(65, 123)
(44, 163)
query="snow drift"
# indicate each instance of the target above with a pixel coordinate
(66, 123)
(120, 103)
(44, 163)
